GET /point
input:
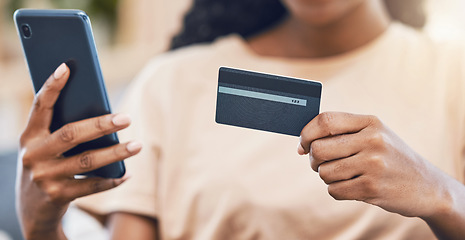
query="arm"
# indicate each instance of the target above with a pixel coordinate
(449, 223)
(45, 183)
(130, 226)
(361, 159)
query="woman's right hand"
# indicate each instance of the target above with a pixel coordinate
(45, 183)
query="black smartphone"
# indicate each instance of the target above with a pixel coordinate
(51, 37)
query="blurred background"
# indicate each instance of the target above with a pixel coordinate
(128, 33)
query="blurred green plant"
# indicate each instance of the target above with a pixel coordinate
(13, 5)
(101, 8)
(105, 9)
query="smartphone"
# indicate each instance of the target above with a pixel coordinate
(51, 37)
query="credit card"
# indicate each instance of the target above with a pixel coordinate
(266, 102)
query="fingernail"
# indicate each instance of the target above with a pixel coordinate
(121, 120)
(61, 71)
(134, 146)
(300, 150)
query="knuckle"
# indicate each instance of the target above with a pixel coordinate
(39, 175)
(376, 162)
(27, 158)
(377, 139)
(325, 120)
(370, 188)
(49, 86)
(85, 161)
(40, 99)
(23, 138)
(374, 120)
(305, 139)
(100, 124)
(98, 186)
(68, 133)
(315, 146)
(324, 174)
(103, 125)
(313, 163)
(120, 151)
(37, 103)
(317, 152)
(335, 192)
(28, 135)
(339, 167)
(55, 193)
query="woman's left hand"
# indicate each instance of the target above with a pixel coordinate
(362, 159)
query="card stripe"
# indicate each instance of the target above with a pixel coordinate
(263, 96)
(270, 82)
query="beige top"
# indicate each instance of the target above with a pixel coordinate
(208, 181)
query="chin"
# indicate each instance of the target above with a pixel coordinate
(320, 13)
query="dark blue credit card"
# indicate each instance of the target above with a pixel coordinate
(266, 102)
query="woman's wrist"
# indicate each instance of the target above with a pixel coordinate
(447, 217)
(51, 233)
(442, 202)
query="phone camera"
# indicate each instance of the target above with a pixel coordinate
(27, 33)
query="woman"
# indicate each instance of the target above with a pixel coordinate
(196, 179)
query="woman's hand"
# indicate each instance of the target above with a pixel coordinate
(45, 182)
(361, 159)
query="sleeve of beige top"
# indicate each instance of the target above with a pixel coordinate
(138, 194)
(462, 110)
(456, 102)
(459, 90)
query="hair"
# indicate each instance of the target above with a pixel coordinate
(210, 19)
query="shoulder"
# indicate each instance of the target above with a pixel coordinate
(416, 39)
(444, 59)
(189, 68)
(196, 58)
